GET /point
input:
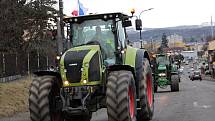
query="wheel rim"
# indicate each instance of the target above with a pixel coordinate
(131, 102)
(149, 90)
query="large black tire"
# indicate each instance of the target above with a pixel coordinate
(126, 96)
(146, 93)
(174, 83)
(111, 96)
(42, 99)
(33, 100)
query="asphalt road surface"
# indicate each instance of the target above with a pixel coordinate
(194, 102)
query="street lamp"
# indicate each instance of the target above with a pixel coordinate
(145, 11)
(141, 41)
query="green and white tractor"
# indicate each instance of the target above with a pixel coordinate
(99, 70)
(166, 73)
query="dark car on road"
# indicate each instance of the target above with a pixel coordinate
(196, 75)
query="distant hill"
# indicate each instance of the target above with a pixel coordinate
(198, 32)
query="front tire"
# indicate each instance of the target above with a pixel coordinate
(49, 89)
(33, 100)
(111, 96)
(42, 99)
(126, 97)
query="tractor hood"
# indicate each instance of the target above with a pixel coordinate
(81, 66)
(162, 67)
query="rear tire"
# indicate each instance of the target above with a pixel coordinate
(111, 96)
(146, 94)
(175, 83)
(126, 97)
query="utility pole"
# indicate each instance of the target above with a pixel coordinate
(212, 35)
(212, 31)
(59, 38)
(60, 29)
(141, 41)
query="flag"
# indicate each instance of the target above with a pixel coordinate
(75, 13)
(82, 10)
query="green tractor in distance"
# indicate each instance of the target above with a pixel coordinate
(99, 71)
(166, 73)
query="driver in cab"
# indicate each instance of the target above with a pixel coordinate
(105, 41)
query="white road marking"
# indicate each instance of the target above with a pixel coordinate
(195, 104)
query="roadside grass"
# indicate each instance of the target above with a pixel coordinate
(14, 97)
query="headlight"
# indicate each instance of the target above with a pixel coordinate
(162, 74)
(85, 81)
(66, 83)
(58, 57)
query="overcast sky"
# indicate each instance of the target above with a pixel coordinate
(166, 13)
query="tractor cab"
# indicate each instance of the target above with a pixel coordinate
(163, 63)
(105, 30)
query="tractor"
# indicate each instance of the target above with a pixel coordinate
(165, 73)
(99, 70)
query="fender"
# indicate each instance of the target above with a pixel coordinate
(50, 73)
(121, 67)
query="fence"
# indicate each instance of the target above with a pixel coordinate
(16, 65)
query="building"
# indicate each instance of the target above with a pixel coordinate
(189, 55)
(175, 40)
(211, 57)
(176, 44)
(175, 37)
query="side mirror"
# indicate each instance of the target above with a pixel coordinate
(138, 23)
(126, 23)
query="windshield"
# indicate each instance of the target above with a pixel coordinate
(162, 60)
(91, 30)
(95, 31)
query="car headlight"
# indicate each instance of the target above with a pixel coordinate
(162, 74)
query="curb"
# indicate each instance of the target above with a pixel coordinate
(9, 78)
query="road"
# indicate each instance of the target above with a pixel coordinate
(194, 102)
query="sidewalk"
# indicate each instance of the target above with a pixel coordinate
(208, 78)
